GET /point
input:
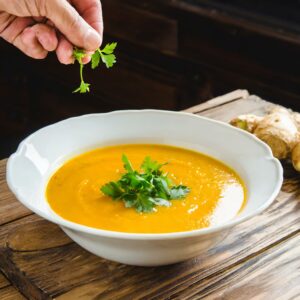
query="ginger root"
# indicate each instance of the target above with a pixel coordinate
(280, 129)
(246, 122)
(296, 157)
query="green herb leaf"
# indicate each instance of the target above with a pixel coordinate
(162, 202)
(78, 54)
(112, 189)
(127, 163)
(146, 190)
(144, 203)
(162, 187)
(95, 59)
(107, 57)
(150, 165)
(83, 88)
(109, 48)
(178, 192)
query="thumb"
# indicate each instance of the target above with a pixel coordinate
(68, 21)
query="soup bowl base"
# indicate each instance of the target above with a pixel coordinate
(146, 253)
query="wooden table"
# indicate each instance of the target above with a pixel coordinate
(260, 259)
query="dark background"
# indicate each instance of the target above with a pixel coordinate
(171, 54)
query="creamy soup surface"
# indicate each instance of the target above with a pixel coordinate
(217, 192)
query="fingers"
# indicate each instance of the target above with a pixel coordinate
(46, 35)
(64, 51)
(91, 11)
(12, 27)
(18, 32)
(28, 43)
(37, 41)
(72, 25)
(82, 27)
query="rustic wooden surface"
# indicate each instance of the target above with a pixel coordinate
(260, 259)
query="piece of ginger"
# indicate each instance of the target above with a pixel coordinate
(279, 129)
(246, 122)
(295, 156)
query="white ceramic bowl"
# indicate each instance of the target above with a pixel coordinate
(39, 155)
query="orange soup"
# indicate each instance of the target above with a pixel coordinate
(217, 193)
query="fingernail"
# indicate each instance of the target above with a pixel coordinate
(92, 40)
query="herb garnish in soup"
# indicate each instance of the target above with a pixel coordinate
(146, 189)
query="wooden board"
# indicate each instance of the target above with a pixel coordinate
(3, 281)
(258, 258)
(10, 293)
(10, 208)
(272, 274)
(7, 291)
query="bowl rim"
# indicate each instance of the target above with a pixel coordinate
(147, 236)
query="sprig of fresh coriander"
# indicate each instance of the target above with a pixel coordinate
(84, 87)
(106, 55)
(144, 190)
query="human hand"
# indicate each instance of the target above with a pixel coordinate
(39, 26)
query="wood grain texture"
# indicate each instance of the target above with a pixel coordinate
(37, 235)
(10, 227)
(10, 208)
(215, 102)
(3, 281)
(258, 278)
(10, 293)
(230, 110)
(41, 262)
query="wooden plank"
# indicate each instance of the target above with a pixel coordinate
(253, 105)
(36, 236)
(10, 227)
(10, 293)
(7, 292)
(45, 267)
(18, 278)
(3, 281)
(11, 209)
(221, 100)
(274, 274)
